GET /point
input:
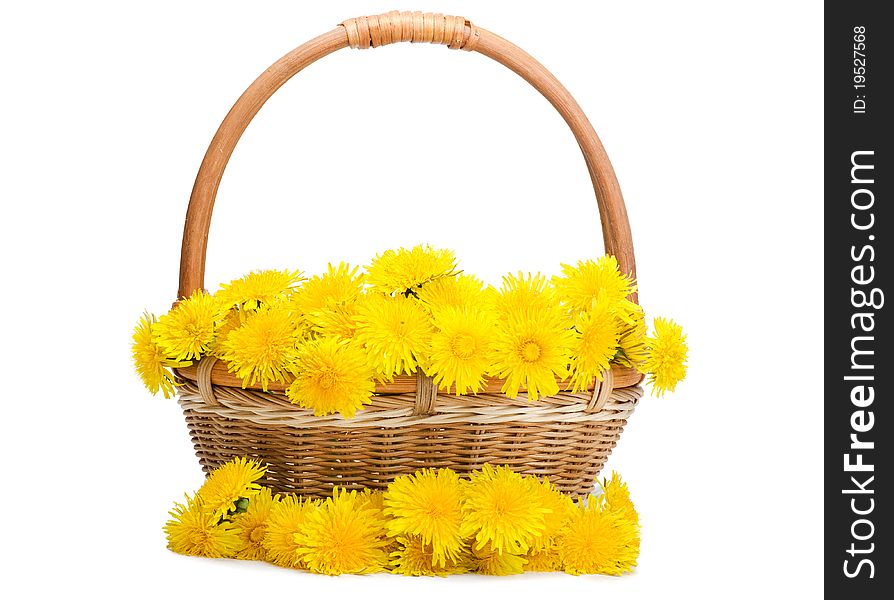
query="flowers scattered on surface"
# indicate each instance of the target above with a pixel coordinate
(197, 531)
(503, 511)
(227, 485)
(341, 536)
(428, 506)
(598, 540)
(434, 523)
(287, 517)
(251, 525)
(328, 339)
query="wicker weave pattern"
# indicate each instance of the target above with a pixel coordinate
(556, 436)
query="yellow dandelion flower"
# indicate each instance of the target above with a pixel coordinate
(531, 350)
(457, 292)
(616, 498)
(340, 537)
(428, 504)
(259, 288)
(414, 557)
(339, 322)
(544, 560)
(264, 348)
(404, 271)
(600, 280)
(461, 348)
(375, 500)
(370, 498)
(285, 521)
(197, 531)
(487, 561)
(504, 509)
(632, 342)
(229, 482)
(338, 286)
(234, 319)
(666, 362)
(396, 332)
(521, 294)
(560, 508)
(188, 330)
(331, 375)
(251, 525)
(595, 345)
(599, 541)
(150, 362)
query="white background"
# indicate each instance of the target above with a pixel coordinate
(711, 113)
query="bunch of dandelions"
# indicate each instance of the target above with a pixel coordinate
(433, 523)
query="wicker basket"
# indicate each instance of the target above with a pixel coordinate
(410, 425)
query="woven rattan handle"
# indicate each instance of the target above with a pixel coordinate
(366, 32)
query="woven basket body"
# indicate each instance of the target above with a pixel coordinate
(410, 425)
(566, 437)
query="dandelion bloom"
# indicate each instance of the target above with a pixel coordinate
(229, 482)
(521, 294)
(396, 332)
(331, 375)
(263, 349)
(599, 541)
(404, 271)
(285, 521)
(531, 350)
(544, 560)
(259, 288)
(503, 509)
(595, 345)
(428, 504)
(632, 341)
(666, 362)
(616, 497)
(197, 531)
(600, 280)
(487, 561)
(414, 557)
(339, 537)
(188, 330)
(251, 525)
(461, 348)
(460, 291)
(149, 360)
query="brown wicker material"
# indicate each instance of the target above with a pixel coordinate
(558, 436)
(410, 425)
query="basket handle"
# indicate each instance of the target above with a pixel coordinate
(366, 32)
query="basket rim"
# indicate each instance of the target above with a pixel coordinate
(624, 377)
(266, 409)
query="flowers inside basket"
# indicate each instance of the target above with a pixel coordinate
(337, 390)
(330, 339)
